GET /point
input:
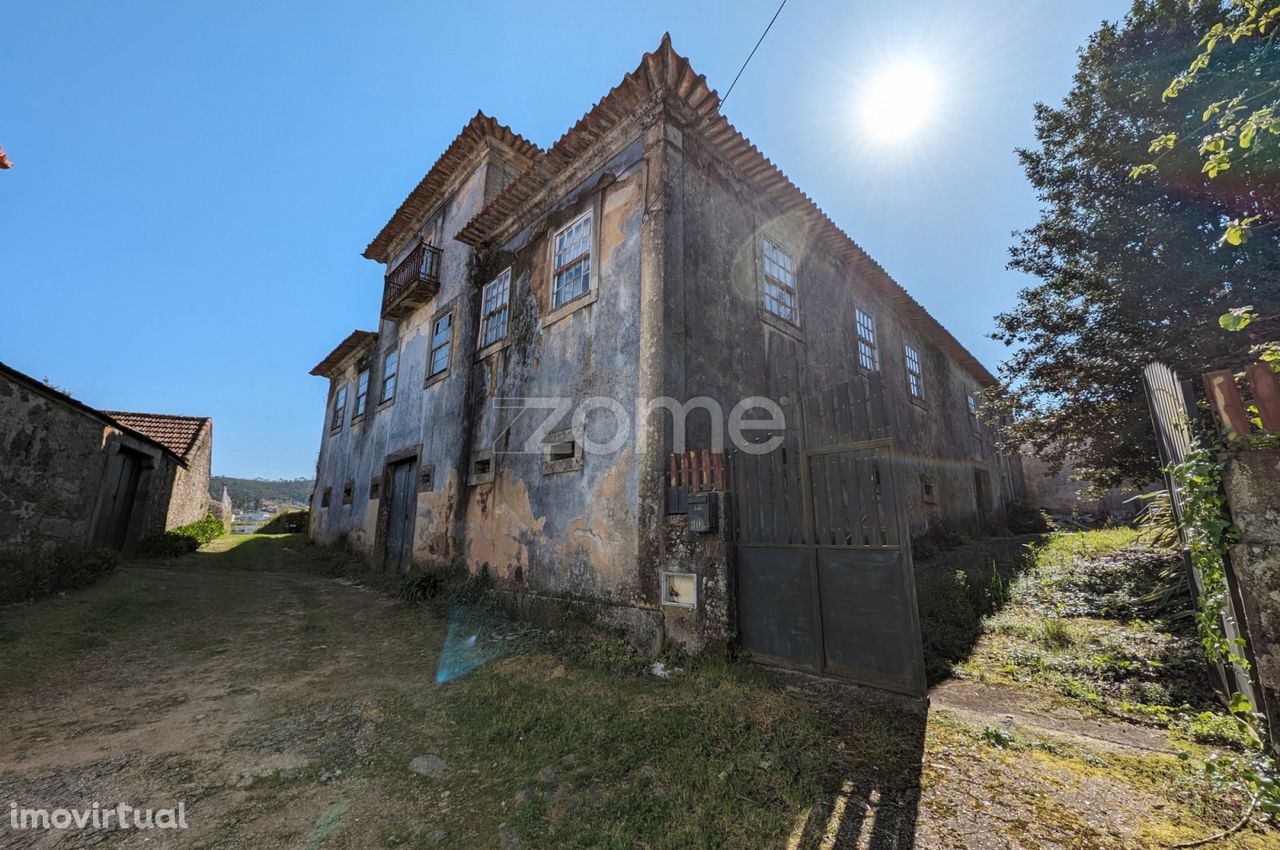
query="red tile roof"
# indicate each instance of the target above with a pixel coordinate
(356, 342)
(178, 434)
(424, 198)
(4, 160)
(665, 72)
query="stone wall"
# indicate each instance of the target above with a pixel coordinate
(53, 456)
(190, 494)
(1252, 484)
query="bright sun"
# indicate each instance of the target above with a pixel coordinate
(898, 101)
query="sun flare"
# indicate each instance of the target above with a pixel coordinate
(899, 101)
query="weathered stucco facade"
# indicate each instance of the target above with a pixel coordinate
(671, 207)
(74, 476)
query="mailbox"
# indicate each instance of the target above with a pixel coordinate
(702, 512)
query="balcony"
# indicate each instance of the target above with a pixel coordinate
(412, 283)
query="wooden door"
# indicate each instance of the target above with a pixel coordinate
(400, 515)
(121, 493)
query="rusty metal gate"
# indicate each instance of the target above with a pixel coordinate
(1173, 417)
(824, 572)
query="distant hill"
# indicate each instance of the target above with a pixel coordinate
(251, 493)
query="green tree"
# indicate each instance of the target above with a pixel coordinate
(1129, 271)
(1243, 123)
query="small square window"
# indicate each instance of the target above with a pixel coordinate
(348, 492)
(482, 467)
(571, 275)
(493, 317)
(375, 488)
(339, 406)
(779, 294)
(326, 497)
(928, 491)
(362, 394)
(561, 452)
(868, 353)
(390, 368)
(427, 478)
(441, 342)
(915, 377)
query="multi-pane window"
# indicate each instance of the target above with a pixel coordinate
(915, 378)
(362, 393)
(493, 320)
(572, 276)
(390, 368)
(868, 354)
(441, 339)
(779, 280)
(339, 407)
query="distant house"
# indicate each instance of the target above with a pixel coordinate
(73, 475)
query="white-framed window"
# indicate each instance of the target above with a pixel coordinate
(915, 377)
(390, 369)
(441, 342)
(339, 406)
(868, 353)
(779, 293)
(362, 393)
(571, 261)
(493, 311)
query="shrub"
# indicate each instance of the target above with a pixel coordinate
(183, 539)
(1028, 519)
(29, 575)
(418, 590)
(287, 522)
(203, 530)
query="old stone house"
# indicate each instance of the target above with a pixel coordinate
(643, 369)
(71, 475)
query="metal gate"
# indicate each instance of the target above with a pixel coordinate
(824, 574)
(1173, 417)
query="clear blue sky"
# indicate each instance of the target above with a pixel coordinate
(193, 183)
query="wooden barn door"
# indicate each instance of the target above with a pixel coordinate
(120, 490)
(825, 580)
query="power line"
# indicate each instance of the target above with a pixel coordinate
(667, 183)
(729, 91)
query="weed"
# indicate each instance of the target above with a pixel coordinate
(1060, 633)
(997, 737)
(418, 590)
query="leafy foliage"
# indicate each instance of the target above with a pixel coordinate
(183, 539)
(1129, 271)
(29, 575)
(1237, 128)
(1209, 534)
(287, 522)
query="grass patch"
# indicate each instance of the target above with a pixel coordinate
(1078, 624)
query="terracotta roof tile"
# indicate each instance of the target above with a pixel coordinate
(355, 341)
(665, 71)
(425, 196)
(178, 434)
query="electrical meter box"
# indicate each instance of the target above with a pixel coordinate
(702, 512)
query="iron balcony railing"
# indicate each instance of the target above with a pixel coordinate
(413, 282)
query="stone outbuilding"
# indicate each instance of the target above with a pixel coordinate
(71, 475)
(643, 373)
